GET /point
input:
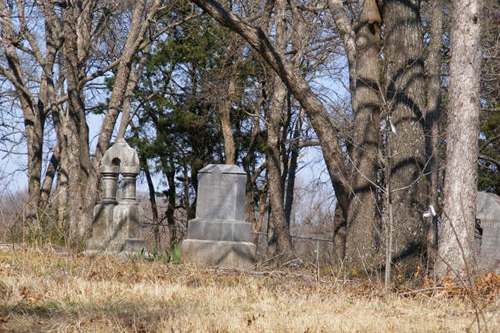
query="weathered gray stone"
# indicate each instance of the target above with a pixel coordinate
(218, 253)
(219, 235)
(223, 230)
(120, 158)
(488, 214)
(221, 192)
(116, 224)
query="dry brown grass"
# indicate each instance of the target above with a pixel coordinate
(41, 291)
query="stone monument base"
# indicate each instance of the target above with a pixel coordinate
(128, 247)
(207, 253)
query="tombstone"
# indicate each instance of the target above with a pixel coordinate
(219, 235)
(116, 226)
(488, 242)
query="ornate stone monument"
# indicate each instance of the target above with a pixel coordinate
(219, 235)
(116, 225)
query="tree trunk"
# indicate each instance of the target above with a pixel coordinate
(79, 168)
(363, 232)
(433, 115)
(263, 208)
(225, 119)
(170, 173)
(456, 244)
(292, 170)
(405, 98)
(48, 180)
(154, 206)
(339, 232)
(274, 118)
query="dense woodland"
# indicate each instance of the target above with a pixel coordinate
(401, 97)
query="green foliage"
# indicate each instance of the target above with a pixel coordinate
(175, 254)
(178, 125)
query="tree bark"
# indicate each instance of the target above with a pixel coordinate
(274, 117)
(225, 119)
(171, 194)
(292, 170)
(456, 244)
(48, 180)
(363, 225)
(433, 116)
(79, 168)
(405, 99)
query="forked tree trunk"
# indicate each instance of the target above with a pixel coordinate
(456, 243)
(405, 98)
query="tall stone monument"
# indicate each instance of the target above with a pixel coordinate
(116, 226)
(219, 235)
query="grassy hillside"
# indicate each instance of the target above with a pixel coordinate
(43, 291)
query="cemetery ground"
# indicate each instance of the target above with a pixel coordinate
(41, 290)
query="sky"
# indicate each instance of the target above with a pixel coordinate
(312, 170)
(13, 159)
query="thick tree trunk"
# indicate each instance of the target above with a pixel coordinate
(274, 117)
(456, 243)
(405, 98)
(363, 226)
(34, 139)
(79, 168)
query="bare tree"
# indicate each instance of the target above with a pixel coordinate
(456, 244)
(54, 70)
(297, 85)
(405, 105)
